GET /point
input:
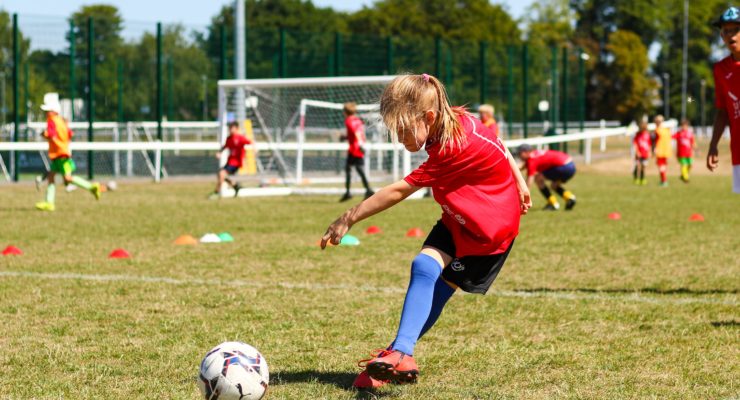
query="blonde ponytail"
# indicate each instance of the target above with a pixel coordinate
(408, 97)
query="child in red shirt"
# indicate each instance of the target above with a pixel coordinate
(482, 194)
(727, 92)
(551, 165)
(643, 147)
(355, 154)
(235, 143)
(685, 146)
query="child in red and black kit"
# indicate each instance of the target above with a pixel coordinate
(552, 165)
(235, 143)
(643, 147)
(685, 145)
(355, 154)
(481, 192)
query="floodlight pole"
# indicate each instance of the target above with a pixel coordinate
(240, 57)
(16, 89)
(90, 92)
(72, 83)
(684, 66)
(666, 94)
(702, 95)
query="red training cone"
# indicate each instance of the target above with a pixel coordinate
(615, 216)
(373, 230)
(12, 251)
(119, 253)
(696, 217)
(415, 232)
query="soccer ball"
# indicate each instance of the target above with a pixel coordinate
(233, 370)
(111, 185)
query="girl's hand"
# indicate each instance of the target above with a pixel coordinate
(525, 200)
(335, 232)
(218, 155)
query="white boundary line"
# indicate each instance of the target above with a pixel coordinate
(636, 297)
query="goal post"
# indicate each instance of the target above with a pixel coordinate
(308, 112)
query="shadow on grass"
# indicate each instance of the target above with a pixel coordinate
(731, 323)
(342, 380)
(676, 291)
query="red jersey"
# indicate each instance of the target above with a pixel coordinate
(727, 97)
(684, 143)
(542, 160)
(355, 135)
(643, 144)
(474, 185)
(235, 144)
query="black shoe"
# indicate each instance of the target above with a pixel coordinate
(237, 187)
(569, 204)
(550, 207)
(346, 197)
(369, 193)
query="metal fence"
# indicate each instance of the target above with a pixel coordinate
(132, 71)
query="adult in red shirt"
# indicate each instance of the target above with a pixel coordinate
(685, 145)
(727, 95)
(643, 147)
(552, 165)
(482, 194)
(355, 154)
(235, 143)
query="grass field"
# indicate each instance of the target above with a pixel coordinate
(585, 308)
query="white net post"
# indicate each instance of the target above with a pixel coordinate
(297, 123)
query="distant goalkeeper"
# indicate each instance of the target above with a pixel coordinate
(235, 143)
(59, 136)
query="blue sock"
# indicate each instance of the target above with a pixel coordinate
(417, 306)
(442, 292)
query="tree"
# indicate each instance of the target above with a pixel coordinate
(629, 86)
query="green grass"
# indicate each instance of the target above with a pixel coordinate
(586, 307)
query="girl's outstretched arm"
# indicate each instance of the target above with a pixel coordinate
(381, 200)
(525, 199)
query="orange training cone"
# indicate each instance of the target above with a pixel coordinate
(373, 230)
(696, 217)
(615, 216)
(415, 232)
(186, 240)
(119, 253)
(12, 251)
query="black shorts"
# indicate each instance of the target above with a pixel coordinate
(355, 161)
(231, 169)
(473, 274)
(562, 173)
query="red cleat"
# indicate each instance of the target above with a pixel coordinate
(364, 382)
(394, 366)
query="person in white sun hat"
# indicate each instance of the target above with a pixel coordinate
(59, 136)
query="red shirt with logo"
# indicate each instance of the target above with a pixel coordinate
(235, 144)
(542, 160)
(642, 144)
(355, 135)
(684, 143)
(727, 97)
(474, 185)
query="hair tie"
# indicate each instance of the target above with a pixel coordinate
(425, 77)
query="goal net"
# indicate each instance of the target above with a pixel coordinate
(298, 125)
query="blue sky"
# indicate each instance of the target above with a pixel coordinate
(196, 12)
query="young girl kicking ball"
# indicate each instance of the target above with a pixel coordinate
(482, 194)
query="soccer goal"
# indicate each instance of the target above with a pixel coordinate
(298, 123)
